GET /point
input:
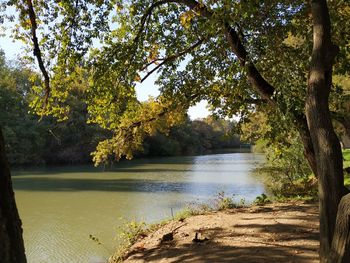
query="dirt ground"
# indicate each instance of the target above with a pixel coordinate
(283, 232)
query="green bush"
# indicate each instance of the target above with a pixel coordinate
(262, 199)
(286, 171)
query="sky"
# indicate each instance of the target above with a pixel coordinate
(143, 90)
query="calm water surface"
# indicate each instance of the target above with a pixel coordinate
(61, 207)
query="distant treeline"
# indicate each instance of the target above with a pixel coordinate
(30, 141)
(193, 137)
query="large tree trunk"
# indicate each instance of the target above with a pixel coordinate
(340, 252)
(326, 144)
(11, 241)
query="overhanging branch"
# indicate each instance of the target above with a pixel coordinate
(37, 52)
(259, 83)
(157, 116)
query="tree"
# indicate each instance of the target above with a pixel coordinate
(236, 54)
(24, 140)
(11, 246)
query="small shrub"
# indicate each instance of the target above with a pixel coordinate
(262, 199)
(223, 202)
(242, 202)
(192, 210)
(128, 233)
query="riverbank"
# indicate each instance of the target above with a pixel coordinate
(277, 232)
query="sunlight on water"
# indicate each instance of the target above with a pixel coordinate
(61, 207)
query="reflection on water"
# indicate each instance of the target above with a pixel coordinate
(61, 207)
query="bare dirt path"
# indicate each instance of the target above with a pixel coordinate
(282, 232)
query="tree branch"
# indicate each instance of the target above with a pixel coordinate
(148, 14)
(160, 114)
(171, 58)
(259, 83)
(37, 52)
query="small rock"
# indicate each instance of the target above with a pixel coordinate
(198, 240)
(167, 237)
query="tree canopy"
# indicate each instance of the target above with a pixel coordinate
(115, 44)
(34, 141)
(242, 56)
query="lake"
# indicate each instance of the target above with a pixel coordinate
(60, 207)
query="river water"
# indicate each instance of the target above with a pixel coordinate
(61, 207)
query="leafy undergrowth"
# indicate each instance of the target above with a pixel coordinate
(283, 187)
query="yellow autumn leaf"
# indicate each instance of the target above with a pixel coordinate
(137, 78)
(186, 17)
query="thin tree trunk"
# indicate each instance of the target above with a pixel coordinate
(345, 122)
(326, 144)
(309, 153)
(11, 241)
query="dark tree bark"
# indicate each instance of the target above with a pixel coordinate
(309, 153)
(11, 241)
(340, 252)
(326, 144)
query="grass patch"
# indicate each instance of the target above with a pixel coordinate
(191, 210)
(304, 198)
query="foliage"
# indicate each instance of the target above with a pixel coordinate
(137, 122)
(219, 202)
(23, 141)
(285, 170)
(193, 137)
(128, 233)
(30, 141)
(286, 173)
(192, 210)
(202, 50)
(346, 158)
(223, 202)
(184, 42)
(262, 199)
(71, 140)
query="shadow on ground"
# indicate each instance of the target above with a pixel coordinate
(276, 233)
(209, 253)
